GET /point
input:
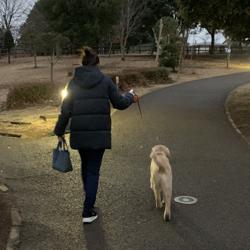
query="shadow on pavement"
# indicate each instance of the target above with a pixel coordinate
(95, 234)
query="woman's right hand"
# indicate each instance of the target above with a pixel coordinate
(61, 139)
(135, 98)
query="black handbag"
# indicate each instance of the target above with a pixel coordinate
(61, 158)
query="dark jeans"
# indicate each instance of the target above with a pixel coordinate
(91, 163)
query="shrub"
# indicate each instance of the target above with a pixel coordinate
(169, 56)
(129, 79)
(155, 74)
(30, 93)
(142, 77)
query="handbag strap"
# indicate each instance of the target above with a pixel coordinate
(65, 145)
(62, 145)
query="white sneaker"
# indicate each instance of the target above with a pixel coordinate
(88, 218)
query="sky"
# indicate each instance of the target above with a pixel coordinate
(201, 36)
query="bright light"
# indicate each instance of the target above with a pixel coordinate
(64, 93)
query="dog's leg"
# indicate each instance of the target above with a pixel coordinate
(157, 198)
(158, 203)
(167, 210)
(166, 215)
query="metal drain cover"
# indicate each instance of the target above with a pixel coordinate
(186, 200)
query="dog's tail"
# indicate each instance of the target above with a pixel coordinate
(161, 160)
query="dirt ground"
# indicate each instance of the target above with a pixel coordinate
(21, 70)
(239, 108)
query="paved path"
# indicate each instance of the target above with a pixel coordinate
(210, 161)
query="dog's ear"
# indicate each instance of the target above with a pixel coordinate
(167, 152)
(152, 153)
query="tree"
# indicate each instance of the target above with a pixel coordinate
(12, 12)
(54, 40)
(209, 14)
(83, 22)
(169, 56)
(32, 32)
(8, 42)
(237, 21)
(165, 32)
(130, 19)
(154, 11)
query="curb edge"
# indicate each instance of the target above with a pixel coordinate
(230, 119)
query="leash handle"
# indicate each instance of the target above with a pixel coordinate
(138, 100)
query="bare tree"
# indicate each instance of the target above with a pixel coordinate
(13, 12)
(158, 38)
(131, 17)
(54, 40)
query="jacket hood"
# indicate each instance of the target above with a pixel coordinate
(87, 76)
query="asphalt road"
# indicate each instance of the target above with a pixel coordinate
(209, 159)
(5, 219)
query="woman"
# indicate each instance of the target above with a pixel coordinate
(88, 105)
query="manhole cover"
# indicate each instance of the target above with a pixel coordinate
(186, 200)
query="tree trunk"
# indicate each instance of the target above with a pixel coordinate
(52, 59)
(211, 51)
(158, 41)
(35, 58)
(240, 46)
(110, 47)
(157, 54)
(9, 56)
(123, 50)
(181, 58)
(182, 50)
(228, 53)
(52, 72)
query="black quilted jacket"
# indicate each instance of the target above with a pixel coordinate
(88, 105)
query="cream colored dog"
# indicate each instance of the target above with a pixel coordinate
(161, 178)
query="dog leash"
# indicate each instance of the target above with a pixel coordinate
(117, 80)
(139, 106)
(138, 101)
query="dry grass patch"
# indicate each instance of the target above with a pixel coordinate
(239, 108)
(28, 94)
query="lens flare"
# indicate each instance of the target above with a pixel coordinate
(64, 93)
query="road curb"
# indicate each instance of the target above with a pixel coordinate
(16, 223)
(229, 117)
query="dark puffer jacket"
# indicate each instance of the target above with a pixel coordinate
(88, 105)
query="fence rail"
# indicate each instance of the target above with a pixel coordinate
(218, 50)
(194, 50)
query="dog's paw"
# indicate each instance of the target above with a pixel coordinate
(166, 217)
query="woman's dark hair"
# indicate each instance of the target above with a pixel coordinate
(89, 56)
